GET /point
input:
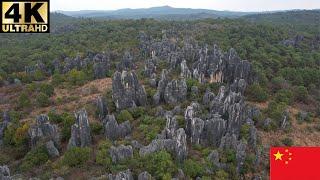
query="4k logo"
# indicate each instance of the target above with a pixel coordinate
(24, 16)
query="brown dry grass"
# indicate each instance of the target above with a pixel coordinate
(303, 134)
(73, 98)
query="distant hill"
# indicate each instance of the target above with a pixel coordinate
(162, 12)
(295, 16)
(300, 19)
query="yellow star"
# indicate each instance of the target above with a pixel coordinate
(278, 156)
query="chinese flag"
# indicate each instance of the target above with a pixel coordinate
(295, 163)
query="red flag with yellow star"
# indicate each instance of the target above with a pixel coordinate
(294, 163)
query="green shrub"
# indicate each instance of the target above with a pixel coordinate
(47, 89)
(123, 116)
(228, 156)
(24, 101)
(38, 76)
(193, 169)
(68, 121)
(57, 79)
(244, 131)
(181, 121)
(275, 111)
(42, 100)
(137, 112)
(301, 94)
(9, 133)
(256, 93)
(151, 127)
(76, 157)
(284, 95)
(160, 164)
(34, 158)
(192, 82)
(102, 156)
(221, 175)
(248, 165)
(96, 128)
(75, 77)
(55, 117)
(278, 83)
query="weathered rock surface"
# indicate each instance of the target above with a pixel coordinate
(52, 150)
(214, 130)
(185, 72)
(3, 125)
(114, 131)
(43, 133)
(102, 108)
(171, 125)
(101, 66)
(144, 176)
(120, 153)
(5, 173)
(150, 67)
(126, 63)
(177, 146)
(127, 92)
(159, 96)
(191, 112)
(123, 175)
(176, 91)
(80, 131)
(197, 126)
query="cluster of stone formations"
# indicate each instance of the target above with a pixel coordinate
(220, 127)
(100, 64)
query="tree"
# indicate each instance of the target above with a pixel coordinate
(24, 101)
(42, 100)
(256, 93)
(76, 156)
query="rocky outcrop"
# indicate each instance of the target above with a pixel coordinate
(102, 108)
(214, 159)
(123, 175)
(185, 72)
(171, 125)
(191, 112)
(294, 41)
(80, 131)
(101, 66)
(120, 153)
(126, 63)
(5, 173)
(150, 67)
(159, 96)
(285, 119)
(208, 97)
(3, 125)
(43, 133)
(181, 150)
(177, 146)
(214, 130)
(113, 130)
(144, 176)
(197, 126)
(127, 92)
(176, 91)
(52, 149)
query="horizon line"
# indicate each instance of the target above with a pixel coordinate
(241, 11)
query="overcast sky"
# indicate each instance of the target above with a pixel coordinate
(233, 5)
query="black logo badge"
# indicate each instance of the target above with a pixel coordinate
(24, 16)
